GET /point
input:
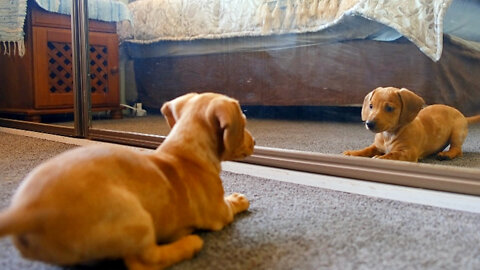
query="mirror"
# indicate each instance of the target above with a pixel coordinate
(35, 59)
(300, 70)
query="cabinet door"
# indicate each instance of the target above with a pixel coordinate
(53, 68)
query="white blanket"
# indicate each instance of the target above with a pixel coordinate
(160, 20)
(12, 18)
(103, 10)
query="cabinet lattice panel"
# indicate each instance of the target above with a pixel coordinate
(60, 68)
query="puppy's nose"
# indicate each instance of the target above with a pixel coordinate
(370, 125)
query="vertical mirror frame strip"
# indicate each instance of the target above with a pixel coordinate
(80, 60)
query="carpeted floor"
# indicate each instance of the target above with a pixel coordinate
(315, 136)
(291, 226)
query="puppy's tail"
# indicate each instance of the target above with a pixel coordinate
(16, 221)
(473, 119)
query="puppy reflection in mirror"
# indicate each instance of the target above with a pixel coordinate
(407, 131)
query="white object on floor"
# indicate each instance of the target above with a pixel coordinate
(137, 109)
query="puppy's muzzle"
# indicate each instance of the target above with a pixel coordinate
(370, 125)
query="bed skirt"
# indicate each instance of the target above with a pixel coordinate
(334, 74)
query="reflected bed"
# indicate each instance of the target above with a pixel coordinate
(332, 56)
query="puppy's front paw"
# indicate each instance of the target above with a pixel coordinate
(239, 202)
(355, 153)
(443, 156)
(194, 242)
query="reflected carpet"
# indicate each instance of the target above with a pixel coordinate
(316, 136)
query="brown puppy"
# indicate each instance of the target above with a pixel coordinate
(100, 202)
(407, 132)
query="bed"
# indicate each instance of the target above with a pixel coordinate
(305, 53)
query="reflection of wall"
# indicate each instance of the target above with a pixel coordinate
(128, 88)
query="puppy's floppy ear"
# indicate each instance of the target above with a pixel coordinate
(225, 116)
(172, 110)
(168, 114)
(366, 105)
(411, 105)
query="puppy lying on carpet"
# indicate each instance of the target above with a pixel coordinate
(405, 131)
(101, 202)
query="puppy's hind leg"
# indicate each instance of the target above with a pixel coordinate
(456, 141)
(156, 257)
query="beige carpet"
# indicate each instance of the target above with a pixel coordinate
(290, 226)
(314, 136)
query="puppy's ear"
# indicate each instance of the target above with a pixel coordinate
(168, 114)
(225, 116)
(411, 105)
(366, 105)
(172, 110)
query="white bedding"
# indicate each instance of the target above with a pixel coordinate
(183, 20)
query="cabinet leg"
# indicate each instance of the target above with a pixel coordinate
(33, 118)
(116, 114)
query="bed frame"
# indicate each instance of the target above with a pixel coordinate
(335, 74)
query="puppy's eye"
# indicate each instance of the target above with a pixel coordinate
(389, 108)
(371, 106)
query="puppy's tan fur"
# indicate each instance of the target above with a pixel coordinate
(100, 202)
(405, 131)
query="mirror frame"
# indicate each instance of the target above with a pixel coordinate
(419, 175)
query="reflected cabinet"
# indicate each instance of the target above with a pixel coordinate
(41, 82)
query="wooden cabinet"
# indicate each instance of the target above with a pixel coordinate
(41, 82)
